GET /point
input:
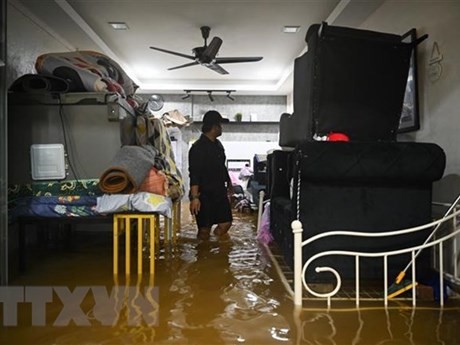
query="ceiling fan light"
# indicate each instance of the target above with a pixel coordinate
(119, 25)
(291, 29)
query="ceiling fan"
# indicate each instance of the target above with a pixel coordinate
(206, 55)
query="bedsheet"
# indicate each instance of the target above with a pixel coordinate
(54, 206)
(88, 187)
(81, 198)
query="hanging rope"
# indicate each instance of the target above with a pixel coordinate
(299, 157)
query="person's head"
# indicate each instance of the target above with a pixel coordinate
(212, 123)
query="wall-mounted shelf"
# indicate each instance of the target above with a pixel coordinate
(245, 122)
(117, 107)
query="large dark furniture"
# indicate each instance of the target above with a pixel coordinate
(351, 81)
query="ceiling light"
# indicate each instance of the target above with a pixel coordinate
(119, 25)
(291, 29)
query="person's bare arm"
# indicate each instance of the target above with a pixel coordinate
(194, 200)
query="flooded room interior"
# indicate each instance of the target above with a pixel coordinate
(226, 172)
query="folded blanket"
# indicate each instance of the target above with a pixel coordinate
(128, 169)
(86, 70)
(138, 202)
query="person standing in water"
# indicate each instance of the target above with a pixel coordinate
(209, 179)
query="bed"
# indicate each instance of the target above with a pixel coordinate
(85, 102)
(62, 206)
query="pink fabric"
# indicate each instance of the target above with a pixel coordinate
(264, 235)
(155, 182)
(234, 178)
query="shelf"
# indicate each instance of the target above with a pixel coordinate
(244, 122)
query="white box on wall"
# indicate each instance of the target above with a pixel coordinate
(47, 161)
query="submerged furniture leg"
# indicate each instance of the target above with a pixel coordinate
(157, 227)
(128, 246)
(153, 230)
(176, 220)
(168, 229)
(115, 244)
(151, 221)
(140, 228)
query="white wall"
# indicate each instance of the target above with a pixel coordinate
(26, 40)
(439, 100)
(247, 149)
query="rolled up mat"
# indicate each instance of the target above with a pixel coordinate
(39, 83)
(128, 169)
(117, 181)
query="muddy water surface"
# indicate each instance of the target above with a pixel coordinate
(213, 292)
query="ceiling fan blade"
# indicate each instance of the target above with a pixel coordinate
(216, 68)
(221, 60)
(173, 53)
(185, 65)
(212, 49)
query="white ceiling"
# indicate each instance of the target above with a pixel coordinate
(247, 28)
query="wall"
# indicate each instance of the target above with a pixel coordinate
(262, 108)
(439, 100)
(26, 41)
(250, 137)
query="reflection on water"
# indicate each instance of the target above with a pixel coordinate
(212, 292)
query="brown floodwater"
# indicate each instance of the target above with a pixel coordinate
(213, 292)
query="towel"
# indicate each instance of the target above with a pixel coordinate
(128, 169)
(152, 131)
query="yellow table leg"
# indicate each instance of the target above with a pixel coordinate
(153, 230)
(128, 246)
(176, 220)
(140, 227)
(157, 230)
(167, 229)
(115, 244)
(122, 222)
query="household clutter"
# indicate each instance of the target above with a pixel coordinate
(144, 163)
(115, 157)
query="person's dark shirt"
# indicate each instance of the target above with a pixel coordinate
(207, 166)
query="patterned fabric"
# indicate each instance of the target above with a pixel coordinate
(54, 206)
(151, 131)
(86, 71)
(53, 199)
(57, 188)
